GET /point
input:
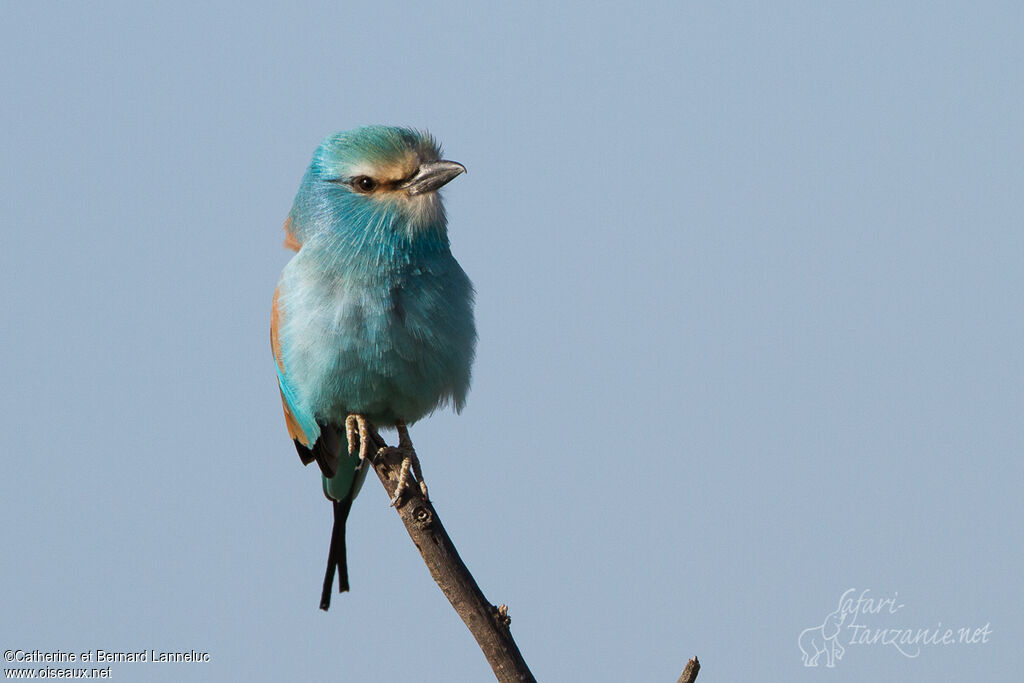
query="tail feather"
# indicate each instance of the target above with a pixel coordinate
(336, 555)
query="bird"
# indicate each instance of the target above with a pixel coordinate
(372, 321)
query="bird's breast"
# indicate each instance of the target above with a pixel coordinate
(392, 343)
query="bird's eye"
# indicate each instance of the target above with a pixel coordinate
(364, 184)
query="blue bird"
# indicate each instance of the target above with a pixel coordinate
(372, 320)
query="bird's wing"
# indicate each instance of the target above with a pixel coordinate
(302, 425)
(313, 440)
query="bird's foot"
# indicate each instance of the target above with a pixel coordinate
(357, 429)
(410, 462)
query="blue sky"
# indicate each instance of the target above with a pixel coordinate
(749, 302)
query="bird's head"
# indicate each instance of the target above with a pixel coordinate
(382, 178)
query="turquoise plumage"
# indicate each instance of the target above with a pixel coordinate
(373, 317)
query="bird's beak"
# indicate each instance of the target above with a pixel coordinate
(432, 176)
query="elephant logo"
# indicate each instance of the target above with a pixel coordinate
(823, 639)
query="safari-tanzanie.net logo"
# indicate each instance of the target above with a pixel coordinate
(862, 620)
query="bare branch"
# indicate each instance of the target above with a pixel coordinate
(689, 674)
(488, 624)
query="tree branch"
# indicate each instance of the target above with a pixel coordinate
(689, 674)
(488, 624)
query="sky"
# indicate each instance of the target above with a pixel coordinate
(749, 291)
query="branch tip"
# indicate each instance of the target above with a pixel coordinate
(689, 674)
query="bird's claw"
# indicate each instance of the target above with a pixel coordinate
(409, 462)
(357, 429)
(403, 478)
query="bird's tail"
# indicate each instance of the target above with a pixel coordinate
(343, 474)
(336, 554)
